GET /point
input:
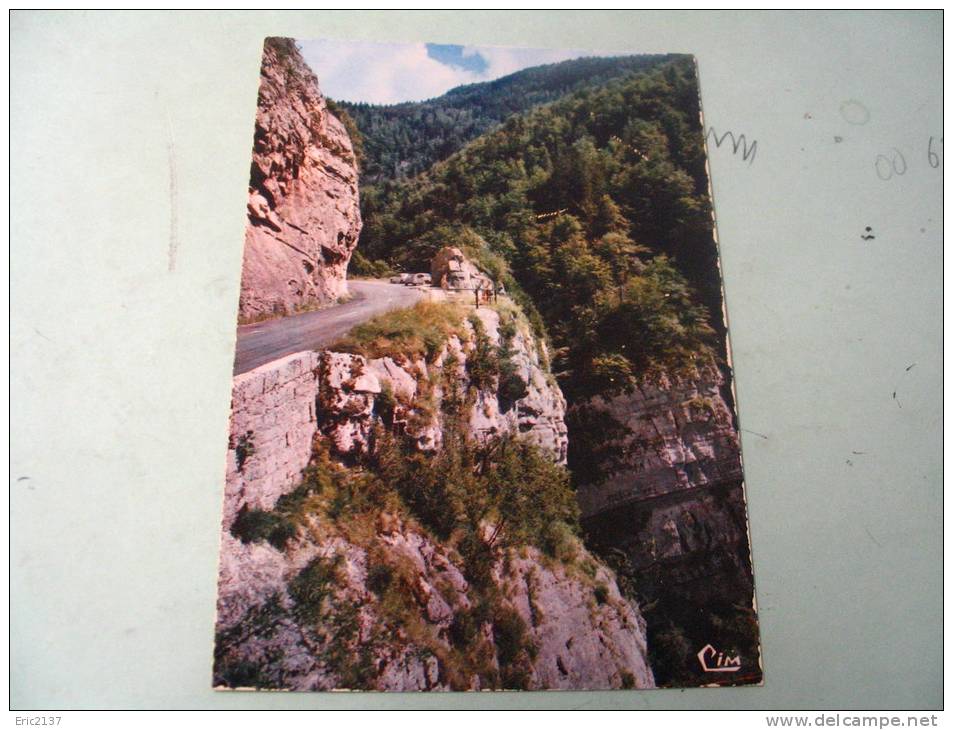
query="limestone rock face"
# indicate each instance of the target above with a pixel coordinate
(450, 269)
(575, 627)
(676, 507)
(351, 386)
(279, 408)
(582, 638)
(303, 212)
(609, 653)
(680, 437)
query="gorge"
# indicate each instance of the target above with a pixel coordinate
(541, 493)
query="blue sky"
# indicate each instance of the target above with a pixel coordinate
(382, 73)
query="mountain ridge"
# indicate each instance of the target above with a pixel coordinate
(393, 133)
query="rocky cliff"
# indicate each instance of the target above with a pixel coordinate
(303, 210)
(670, 516)
(676, 433)
(418, 386)
(550, 626)
(315, 596)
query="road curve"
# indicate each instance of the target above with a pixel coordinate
(266, 341)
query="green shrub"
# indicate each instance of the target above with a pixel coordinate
(509, 635)
(255, 525)
(511, 387)
(463, 629)
(360, 265)
(244, 449)
(515, 649)
(601, 593)
(385, 404)
(559, 541)
(312, 586)
(239, 674)
(379, 577)
(483, 365)
(419, 330)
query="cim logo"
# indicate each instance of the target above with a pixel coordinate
(713, 660)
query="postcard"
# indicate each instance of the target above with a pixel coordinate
(483, 433)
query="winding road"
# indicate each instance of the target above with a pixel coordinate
(266, 341)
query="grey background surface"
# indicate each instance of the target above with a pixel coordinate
(130, 149)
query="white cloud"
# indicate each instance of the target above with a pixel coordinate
(390, 73)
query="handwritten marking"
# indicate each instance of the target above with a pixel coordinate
(932, 157)
(888, 167)
(737, 143)
(894, 163)
(868, 234)
(755, 433)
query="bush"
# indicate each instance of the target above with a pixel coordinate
(483, 365)
(515, 649)
(379, 577)
(240, 674)
(511, 387)
(360, 265)
(385, 404)
(419, 330)
(255, 525)
(560, 542)
(312, 586)
(244, 449)
(463, 629)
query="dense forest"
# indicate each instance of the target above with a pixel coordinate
(596, 207)
(403, 140)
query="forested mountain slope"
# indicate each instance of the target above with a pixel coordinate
(594, 211)
(598, 205)
(402, 140)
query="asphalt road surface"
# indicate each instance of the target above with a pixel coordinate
(266, 341)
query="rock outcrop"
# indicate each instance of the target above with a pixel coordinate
(451, 269)
(676, 434)
(311, 613)
(350, 399)
(279, 408)
(672, 519)
(583, 633)
(303, 210)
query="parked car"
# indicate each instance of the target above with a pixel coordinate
(418, 280)
(400, 279)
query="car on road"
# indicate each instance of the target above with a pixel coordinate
(400, 279)
(418, 280)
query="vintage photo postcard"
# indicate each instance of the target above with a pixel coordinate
(483, 433)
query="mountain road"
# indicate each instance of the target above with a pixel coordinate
(263, 342)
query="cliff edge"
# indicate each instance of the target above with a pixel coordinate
(303, 210)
